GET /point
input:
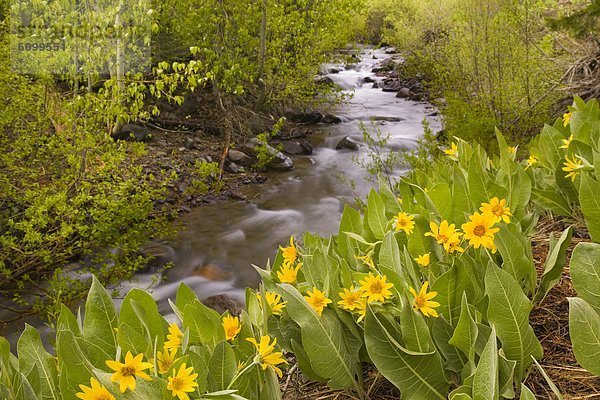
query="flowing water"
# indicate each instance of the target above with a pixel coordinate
(310, 198)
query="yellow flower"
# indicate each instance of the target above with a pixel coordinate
(567, 142)
(497, 208)
(512, 151)
(479, 230)
(375, 288)
(567, 119)
(423, 260)
(126, 372)
(232, 327)
(182, 382)
(317, 300)
(445, 234)
(453, 246)
(165, 359)
(367, 260)
(362, 309)
(95, 392)
(423, 301)
(174, 337)
(288, 274)
(572, 166)
(267, 357)
(274, 301)
(531, 160)
(351, 298)
(290, 253)
(452, 152)
(404, 222)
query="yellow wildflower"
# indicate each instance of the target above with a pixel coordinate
(404, 222)
(290, 253)
(367, 260)
(362, 309)
(423, 260)
(445, 234)
(567, 142)
(288, 274)
(567, 118)
(351, 298)
(165, 359)
(267, 357)
(452, 152)
(95, 392)
(174, 337)
(232, 327)
(423, 301)
(182, 382)
(375, 288)
(452, 246)
(317, 300)
(274, 301)
(498, 208)
(126, 372)
(531, 160)
(572, 166)
(479, 230)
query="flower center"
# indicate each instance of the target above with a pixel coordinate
(479, 230)
(442, 238)
(128, 371)
(231, 332)
(498, 210)
(104, 397)
(376, 287)
(177, 383)
(420, 302)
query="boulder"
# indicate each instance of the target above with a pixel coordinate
(233, 168)
(295, 147)
(368, 79)
(279, 161)
(347, 144)
(391, 85)
(240, 158)
(133, 132)
(403, 93)
(221, 303)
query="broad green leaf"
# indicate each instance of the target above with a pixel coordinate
(441, 196)
(99, 325)
(555, 261)
(415, 332)
(564, 184)
(547, 147)
(485, 381)
(481, 187)
(460, 196)
(33, 355)
(508, 311)
(551, 200)
(133, 338)
(351, 222)
(200, 357)
(204, 324)
(22, 389)
(304, 363)
(323, 340)
(388, 197)
(465, 334)
(269, 385)
(74, 367)
(417, 376)
(585, 272)
(376, 215)
(139, 310)
(442, 332)
(450, 287)
(515, 249)
(526, 394)
(506, 375)
(584, 328)
(185, 295)
(68, 320)
(589, 199)
(222, 367)
(390, 264)
(144, 390)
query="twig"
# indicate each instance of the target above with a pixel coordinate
(289, 378)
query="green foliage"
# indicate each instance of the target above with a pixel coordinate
(205, 178)
(264, 152)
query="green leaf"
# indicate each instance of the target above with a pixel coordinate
(415, 332)
(515, 249)
(376, 215)
(460, 196)
(526, 394)
(442, 332)
(555, 261)
(99, 325)
(481, 187)
(222, 367)
(323, 340)
(33, 355)
(390, 264)
(74, 367)
(585, 272)
(304, 363)
(22, 389)
(204, 324)
(465, 334)
(508, 311)
(417, 376)
(185, 295)
(551, 200)
(139, 310)
(68, 320)
(589, 199)
(450, 287)
(584, 328)
(441, 196)
(485, 381)
(351, 222)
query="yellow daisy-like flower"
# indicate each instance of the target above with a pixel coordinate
(165, 359)
(498, 208)
(452, 152)
(288, 274)
(362, 309)
(531, 160)
(182, 382)
(423, 301)
(317, 300)
(572, 166)
(479, 231)
(232, 327)
(267, 357)
(375, 288)
(174, 337)
(404, 222)
(567, 118)
(126, 372)
(274, 301)
(95, 392)
(452, 246)
(445, 234)
(290, 253)
(567, 142)
(423, 260)
(351, 298)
